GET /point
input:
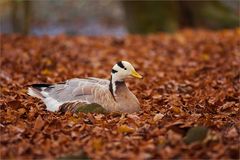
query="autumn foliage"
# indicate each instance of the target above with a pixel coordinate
(189, 96)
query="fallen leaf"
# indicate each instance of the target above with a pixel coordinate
(21, 111)
(125, 129)
(158, 117)
(232, 133)
(97, 144)
(39, 123)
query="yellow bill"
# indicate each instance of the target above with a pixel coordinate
(135, 74)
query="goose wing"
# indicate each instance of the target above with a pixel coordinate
(85, 91)
(77, 89)
(99, 80)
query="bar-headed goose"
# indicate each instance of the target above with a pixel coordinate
(113, 95)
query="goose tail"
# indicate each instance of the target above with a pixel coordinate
(41, 91)
(36, 90)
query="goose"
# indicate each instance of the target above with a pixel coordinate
(113, 95)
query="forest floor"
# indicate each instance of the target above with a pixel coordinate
(189, 96)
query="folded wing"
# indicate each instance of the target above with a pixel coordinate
(85, 91)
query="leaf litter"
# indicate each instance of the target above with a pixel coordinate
(190, 87)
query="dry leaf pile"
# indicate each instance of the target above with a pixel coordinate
(191, 87)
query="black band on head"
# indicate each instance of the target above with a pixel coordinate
(114, 71)
(120, 64)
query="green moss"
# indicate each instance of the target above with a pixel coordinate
(195, 134)
(91, 108)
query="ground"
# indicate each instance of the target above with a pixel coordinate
(190, 87)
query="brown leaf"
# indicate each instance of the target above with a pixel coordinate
(125, 129)
(158, 117)
(21, 111)
(39, 123)
(232, 133)
(191, 77)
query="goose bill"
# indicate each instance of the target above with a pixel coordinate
(135, 74)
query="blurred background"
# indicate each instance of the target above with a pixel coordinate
(114, 17)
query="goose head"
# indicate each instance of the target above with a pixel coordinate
(123, 70)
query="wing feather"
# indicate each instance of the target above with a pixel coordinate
(72, 92)
(78, 89)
